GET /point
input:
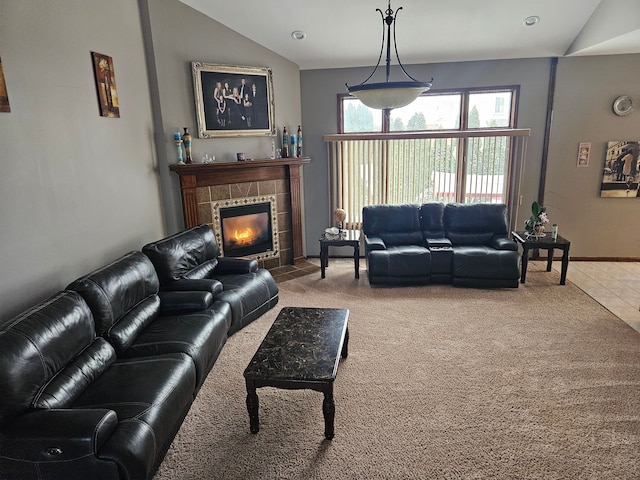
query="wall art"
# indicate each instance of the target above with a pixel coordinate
(583, 154)
(621, 172)
(106, 85)
(233, 101)
(4, 97)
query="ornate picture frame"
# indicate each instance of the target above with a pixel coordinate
(233, 101)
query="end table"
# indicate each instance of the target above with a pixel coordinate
(348, 238)
(545, 243)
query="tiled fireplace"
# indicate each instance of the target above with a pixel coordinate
(210, 189)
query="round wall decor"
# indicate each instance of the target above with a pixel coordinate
(623, 105)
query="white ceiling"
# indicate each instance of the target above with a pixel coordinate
(348, 33)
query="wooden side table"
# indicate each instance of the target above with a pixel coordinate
(346, 238)
(544, 243)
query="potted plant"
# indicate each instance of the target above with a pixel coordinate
(536, 222)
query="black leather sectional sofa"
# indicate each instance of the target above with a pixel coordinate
(96, 380)
(463, 244)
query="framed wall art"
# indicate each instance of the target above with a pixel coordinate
(106, 85)
(583, 154)
(621, 172)
(4, 97)
(233, 101)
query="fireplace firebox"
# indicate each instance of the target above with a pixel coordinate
(247, 227)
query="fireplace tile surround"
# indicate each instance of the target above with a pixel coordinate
(204, 185)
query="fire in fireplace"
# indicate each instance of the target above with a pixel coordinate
(246, 229)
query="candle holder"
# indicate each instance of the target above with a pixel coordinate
(179, 149)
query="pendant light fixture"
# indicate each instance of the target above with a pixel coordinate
(387, 95)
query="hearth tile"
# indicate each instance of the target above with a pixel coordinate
(284, 222)
(282, 186)
(241, 190)
(283, 202)
(285, 240)
(205, 215)
(220, 192)
(267, 187)
(203, 194)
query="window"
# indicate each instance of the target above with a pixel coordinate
(446, 146)
(434, 110)
(428, 112)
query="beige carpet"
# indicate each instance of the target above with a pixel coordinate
(539, 382)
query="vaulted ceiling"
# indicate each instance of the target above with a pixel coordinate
(348, 33)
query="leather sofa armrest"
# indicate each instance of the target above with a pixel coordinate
(438, 243)
(57, 435)
(185, 301)
(227, 266)
(374, 243)
(503, 243)
(194, 284)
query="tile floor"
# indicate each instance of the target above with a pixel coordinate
(615, 285)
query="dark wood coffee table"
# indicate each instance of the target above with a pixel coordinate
(544, 243)
(301, 350)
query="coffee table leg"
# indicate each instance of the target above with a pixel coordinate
(252, 407)
(329, 411)
(345, 345)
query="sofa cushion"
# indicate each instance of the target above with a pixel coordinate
(38, 344)
(151, 396)
(400, 261)
(475, 224)
(479, 261)
(202, 271)
(249, 295)
(200, 335)
(115, 292)
(394, 224)
(72, 380)
(177, 255)
(431, 220)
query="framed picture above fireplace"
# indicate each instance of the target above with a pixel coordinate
(233, 101)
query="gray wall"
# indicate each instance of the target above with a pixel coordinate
(585, 92)
(180, 35)
(76, 189)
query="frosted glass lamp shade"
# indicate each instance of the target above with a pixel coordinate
(388, 95)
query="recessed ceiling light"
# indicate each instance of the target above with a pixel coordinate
(298, 35)
(531, 21)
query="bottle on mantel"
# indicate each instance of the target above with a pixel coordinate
(186, 140)
(285, 143)
(299, 142)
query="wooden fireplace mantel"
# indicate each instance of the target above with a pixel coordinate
(208, 174)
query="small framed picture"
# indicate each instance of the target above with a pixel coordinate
(583, 154)
(4, 98)
(106, 85)
(233, 101)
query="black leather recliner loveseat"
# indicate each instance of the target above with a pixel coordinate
(97, 379)
(463, 244)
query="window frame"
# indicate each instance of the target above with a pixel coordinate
(464, 107)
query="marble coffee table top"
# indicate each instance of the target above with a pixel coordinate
(303, 344)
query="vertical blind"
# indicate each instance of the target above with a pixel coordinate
(469, 167)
